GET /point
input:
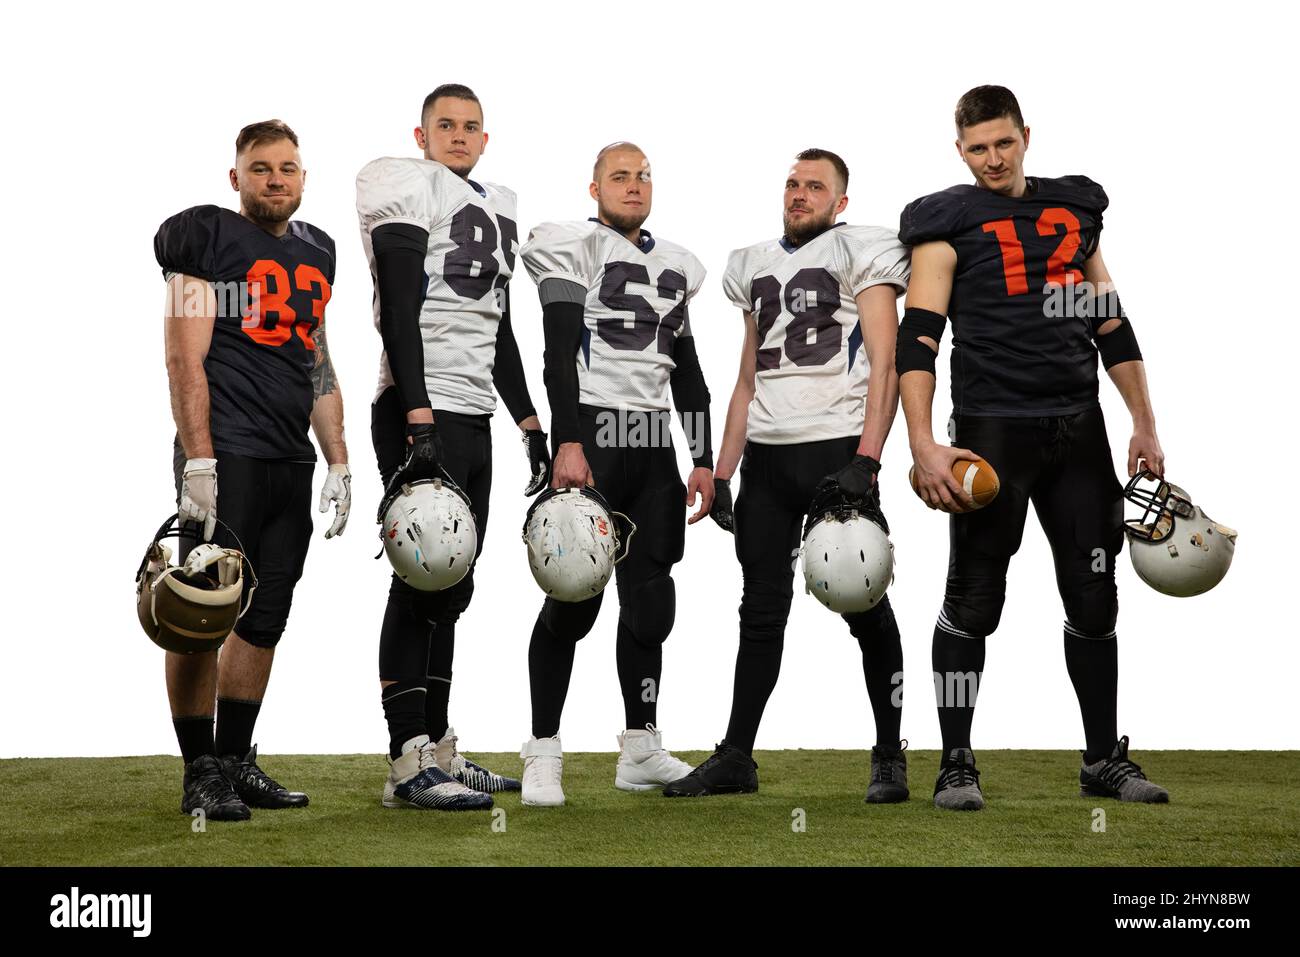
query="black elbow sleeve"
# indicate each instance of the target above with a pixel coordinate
(400, 285)
(562, 326)
(911, 354)
(691, 396)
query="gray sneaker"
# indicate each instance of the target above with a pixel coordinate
(888, 775)
(958, 786)
(1118, 777)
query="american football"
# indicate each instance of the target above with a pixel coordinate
(977, 477)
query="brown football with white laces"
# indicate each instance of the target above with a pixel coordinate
(975, 476)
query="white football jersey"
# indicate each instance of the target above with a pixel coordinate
(811, 380)
(635, 307)
(473, 240)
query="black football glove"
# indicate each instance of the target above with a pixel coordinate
(539, 460)
(423, 456)
(722, 511)
(857, 480)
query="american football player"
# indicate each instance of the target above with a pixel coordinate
(249, 369)
(441, 248)
(815, 399)
(618, 339)
(1015, 263)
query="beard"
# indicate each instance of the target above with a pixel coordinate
(624, 222)
(267, 213)
(799, 233)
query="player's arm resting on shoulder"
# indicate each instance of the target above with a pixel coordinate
(187, 334)
(508, 372)
(563, 305)
(1123, 362)
(928, 291)
(878, 318)
(733, 432)
(400, 250)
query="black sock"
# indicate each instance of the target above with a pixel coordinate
(404, 711)
(550, 664)
(958, 666)
(758, 664)
(235, 720)
(1093, 665)
(882, 667)
(194, 734)
(442, 646)
(637, 662)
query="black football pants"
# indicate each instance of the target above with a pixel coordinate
(777, 483)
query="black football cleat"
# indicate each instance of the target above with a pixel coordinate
(1118, 777)
(888, 775)
(727, 770)
(207, 789)
(256, 787)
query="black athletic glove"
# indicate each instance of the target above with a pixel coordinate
(423, 456)
(857, 480)
(722, 511)
(539, 460)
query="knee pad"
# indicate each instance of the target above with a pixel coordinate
(260, 637)
(449, 605)
(763, 614)
(974, 612)
(648, 609)
(875, 624)
(1091, 605)
(570, 620)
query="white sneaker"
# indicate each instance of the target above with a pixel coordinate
(415, 780)
(643, 764)
(543, 767)
(466, 771)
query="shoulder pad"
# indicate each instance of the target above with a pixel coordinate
(186, 243)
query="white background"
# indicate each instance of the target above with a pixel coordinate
(117, 117)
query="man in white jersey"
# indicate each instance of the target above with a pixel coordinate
(815, 399)
(618, 339)
(441, 248)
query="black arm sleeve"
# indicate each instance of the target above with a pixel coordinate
(691, 396)
(508, 369)
(562, 325)
(400, 249)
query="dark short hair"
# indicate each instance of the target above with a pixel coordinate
(841, 167)
(986, 103)
(267, 131)
(458, 91)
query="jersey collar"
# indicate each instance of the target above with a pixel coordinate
(645, 242)
(477, 188)
(791, 247)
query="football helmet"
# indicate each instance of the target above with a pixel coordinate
(429, 533)
(191, 607)
(574, 542)
(848, 560)
(1175, 547)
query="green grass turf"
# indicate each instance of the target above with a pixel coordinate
(1228, 808)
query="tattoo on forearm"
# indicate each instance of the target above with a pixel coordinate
(323, 380)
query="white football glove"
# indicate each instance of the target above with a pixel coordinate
(199, 495)
(337, 489)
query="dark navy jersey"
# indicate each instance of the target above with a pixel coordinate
(271, 295)
(1017, 348)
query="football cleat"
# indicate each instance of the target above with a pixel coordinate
(466, 771)
(958, 786)
(888, 775)
(643, 764)
(255, 787)
(415, 780)
(208, 789)
(543, 769)
(1118, 777)
(727, 770)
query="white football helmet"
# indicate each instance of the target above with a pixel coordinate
(848, 560)
(574, 542)
(1175, 547)
(429, 533)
